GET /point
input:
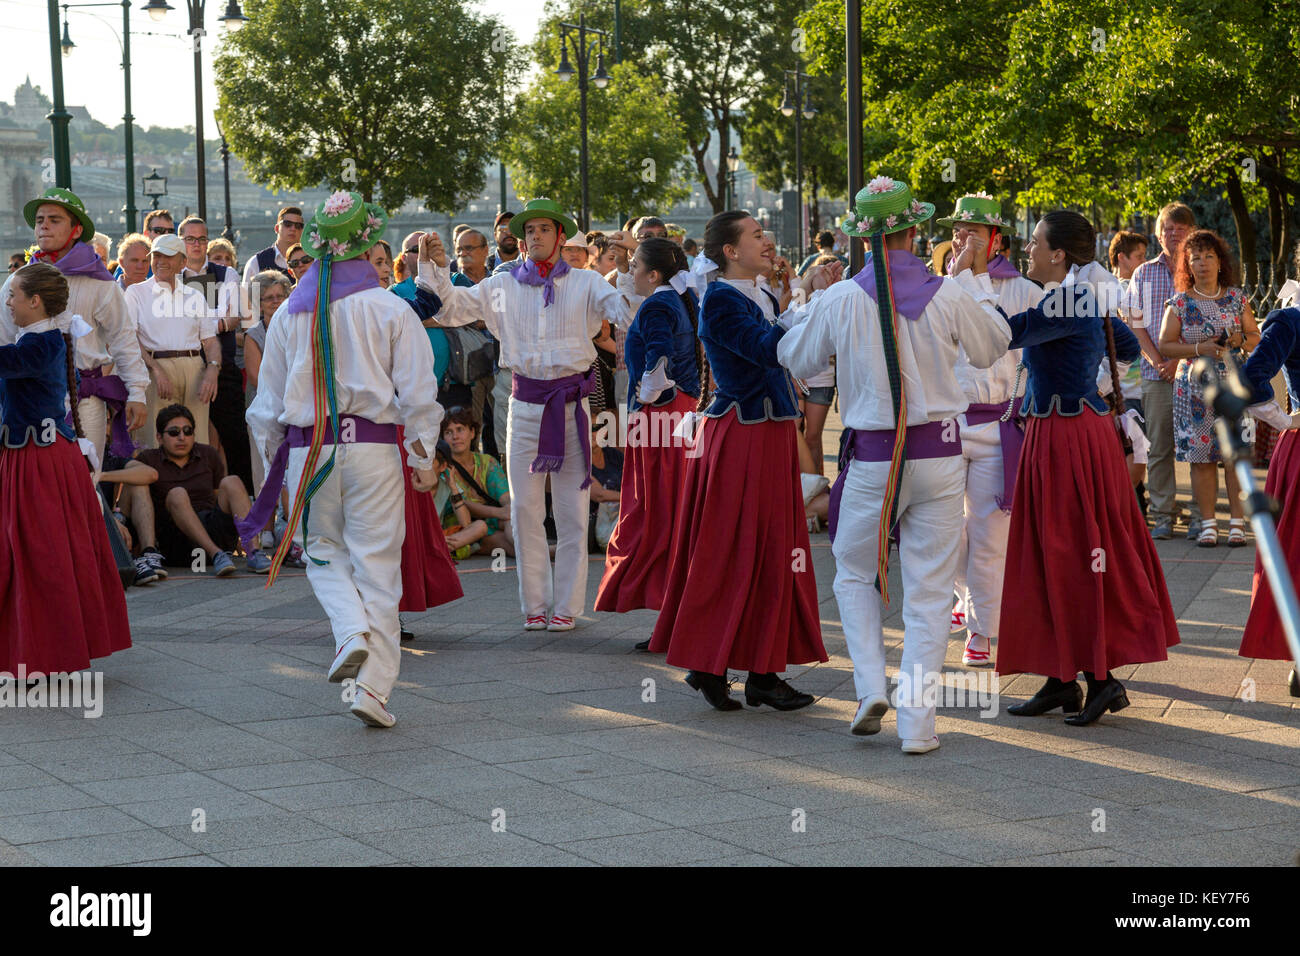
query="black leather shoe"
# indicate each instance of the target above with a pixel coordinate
(1294, 686)
(780, 695)
(714, 688)
(643, 645)
(1110, 696)
(1069, 698)
(408, 636)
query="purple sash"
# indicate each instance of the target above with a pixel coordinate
(1001, 268)
(80, 260)
(554, 394)
(529, 274)
(299, 436)
(910, 280)
(940, 439)
(93, 383)
(1011, 435)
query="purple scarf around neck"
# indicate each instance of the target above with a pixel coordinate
(346, 278)
(1001, 268)
(530, 274)
(911, 281)
(80, 260)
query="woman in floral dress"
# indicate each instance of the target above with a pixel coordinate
(1206, 317)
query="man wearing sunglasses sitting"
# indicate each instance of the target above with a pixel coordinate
(193, 504)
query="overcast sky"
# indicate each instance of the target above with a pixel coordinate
(92, 76)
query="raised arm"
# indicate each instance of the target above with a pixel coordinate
(980, 327)
(461, 305)
(1058, 315)
(807, 347)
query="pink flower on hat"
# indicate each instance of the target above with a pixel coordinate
(881, 184)
(365, 234)
(862, 225)
(339, 202)
(315, 238)
(966, 214)
(891, 222)
(338, 248)
(372, 222)
(915, 208)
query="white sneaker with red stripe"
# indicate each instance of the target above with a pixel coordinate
(560, 623)
(977, 652)
(958, 620)
(867, 720)
(347, 662)
(371, 710)
(535, 622)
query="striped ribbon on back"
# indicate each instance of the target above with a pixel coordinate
(326, 402)
(894, 484)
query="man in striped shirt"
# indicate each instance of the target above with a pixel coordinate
(1151, 287)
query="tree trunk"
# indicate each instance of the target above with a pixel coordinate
(1245, 227)
(1275, 229)
(700, 154)
(723, 124)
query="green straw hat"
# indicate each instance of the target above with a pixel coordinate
(978, 209)
(344, 226)
(542, 209)
(884, 206)
(69, 201)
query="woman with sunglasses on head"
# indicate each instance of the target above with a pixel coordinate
(1083, 589)
(665, 362)
(51, 519)
(747, 597)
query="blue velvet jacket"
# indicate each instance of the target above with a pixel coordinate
(1279, 348)
(34, 389)
(740, 344)
(1064, 342)
(662, 329)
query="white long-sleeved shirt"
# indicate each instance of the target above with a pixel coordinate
(537, 340)
(844, 321)
(113, 340)
(993, 385)
(383, 371)
(170, 319)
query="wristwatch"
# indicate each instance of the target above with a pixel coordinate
(214, 365)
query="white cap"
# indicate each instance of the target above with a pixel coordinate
(168, 245)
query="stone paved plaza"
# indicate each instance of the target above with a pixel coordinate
(527, 748)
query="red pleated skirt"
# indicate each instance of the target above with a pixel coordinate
(1263, 637)
(429, 577)
(61, 601)
(654, 469)
(1084, 589)
(741, 592)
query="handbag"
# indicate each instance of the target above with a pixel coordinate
(473, 354)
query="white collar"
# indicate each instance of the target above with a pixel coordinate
(44, 325)
(662, 288)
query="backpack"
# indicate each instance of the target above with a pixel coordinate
(473, 354)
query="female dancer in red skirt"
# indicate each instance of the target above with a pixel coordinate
(61, 600)
(429, 577)
(1084, 590)
(664, 362)
(741, 591)
(1279, 348)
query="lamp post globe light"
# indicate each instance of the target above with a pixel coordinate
(575, 35)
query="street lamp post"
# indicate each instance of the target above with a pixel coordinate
(733, 164)
(853, 80)
(229, 231)
(800, 112)
(58, 115)
(232, 19)
(128, 121)
(582, 53)
(154, 186)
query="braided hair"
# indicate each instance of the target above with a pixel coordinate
(42, 280)
(667, 258)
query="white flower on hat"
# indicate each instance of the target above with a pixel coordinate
(881, 184)
(338, 202)
(915, 208)
(978, 196)
(864, 225)
(966, 214)
(338, 248)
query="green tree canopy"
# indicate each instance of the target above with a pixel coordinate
(382, 98)
(636, 149)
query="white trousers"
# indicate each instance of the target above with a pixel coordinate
(93, 414)
(930, 512)
(357, 524)
(982, 555)
(540, 588)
